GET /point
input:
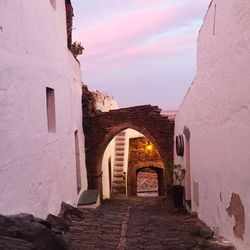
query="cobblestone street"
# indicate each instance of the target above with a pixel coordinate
(140, 223)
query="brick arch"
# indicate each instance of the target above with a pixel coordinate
(149, 164)
(101, 127)
(133, 170)
(119, 128)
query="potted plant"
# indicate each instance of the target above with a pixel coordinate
(178, 189)
(76, 48)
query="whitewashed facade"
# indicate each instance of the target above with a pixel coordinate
(216, 112)
(42, 159)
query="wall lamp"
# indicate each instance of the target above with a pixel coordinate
(149, 146)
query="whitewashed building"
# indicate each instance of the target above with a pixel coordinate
(42, 159)
(214, 121)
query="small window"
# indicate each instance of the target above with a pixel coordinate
(51, 111)
(53, 3)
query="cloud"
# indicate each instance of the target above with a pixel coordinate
(147, 31)
(122, 38)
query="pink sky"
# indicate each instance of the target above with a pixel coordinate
(139, 51)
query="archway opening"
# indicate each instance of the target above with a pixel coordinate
(147, 182)
(115, 163)
(128, 151)
(100, 127)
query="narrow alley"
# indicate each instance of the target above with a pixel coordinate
(125, 125)
(140, 223)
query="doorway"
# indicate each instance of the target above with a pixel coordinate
(147, 183)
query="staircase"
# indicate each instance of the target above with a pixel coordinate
(118, 186)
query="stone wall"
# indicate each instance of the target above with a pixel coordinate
(139, 154)
(101, 127)
(95, 102)
(104, 102)
(139, 158)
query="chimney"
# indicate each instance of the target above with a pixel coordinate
(69, 21)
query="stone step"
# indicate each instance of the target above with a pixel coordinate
(118, 163)
(119, 172)
(119, 148)
(120, 137)
(119, 190)
(119, 154)
(119, 158)
(118, 175)
(122, 133)
(118, 180)
(118, 167)
(117, 184)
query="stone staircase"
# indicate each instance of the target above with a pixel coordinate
(119, 186)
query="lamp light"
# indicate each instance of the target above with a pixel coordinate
(149, 146)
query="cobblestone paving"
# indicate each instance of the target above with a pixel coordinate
(140, 223)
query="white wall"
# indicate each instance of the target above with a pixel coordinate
(104, 102)
(129, 134)
(109, 152)
(217, 111)
(37, 168)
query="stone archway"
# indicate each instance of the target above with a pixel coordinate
(101, 127)
(132, 177)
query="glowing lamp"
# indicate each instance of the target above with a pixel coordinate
(149, 146)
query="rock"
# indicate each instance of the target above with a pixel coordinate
(24, 231)
(216, 245)
(68, 212)
(8, 243)
(194, 214)
(43, 222)
(57, 223)
(21, 226)
(48, 240)
(203, 231)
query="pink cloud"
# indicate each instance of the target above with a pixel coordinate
(132, 34)
(157, 49)
(163, 47)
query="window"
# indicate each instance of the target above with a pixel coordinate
(53, 3)
(51, 111)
